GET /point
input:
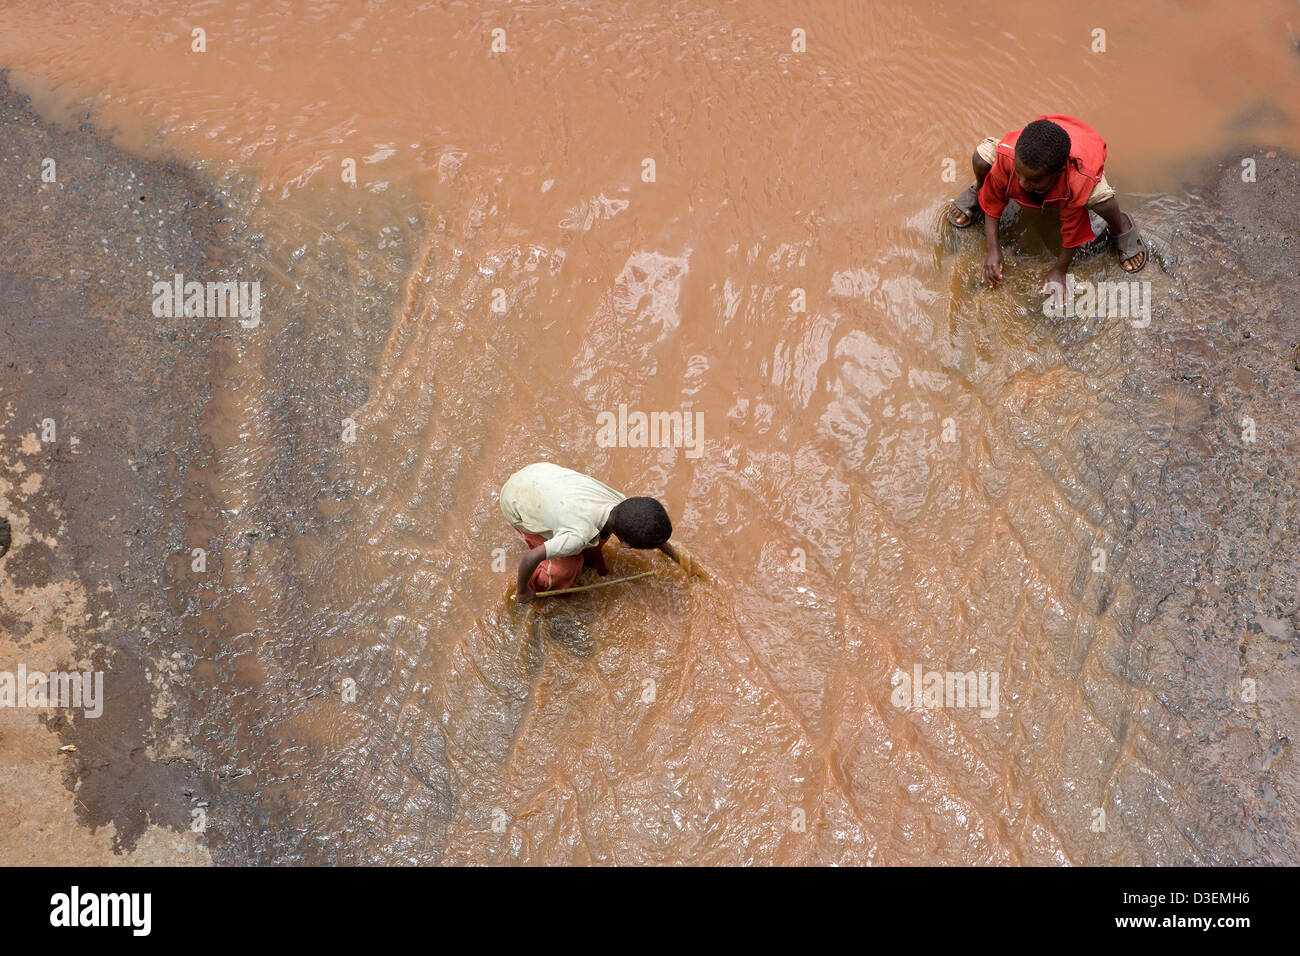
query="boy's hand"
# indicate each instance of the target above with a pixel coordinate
(525, 596)
(1054, 286)
(993, 267)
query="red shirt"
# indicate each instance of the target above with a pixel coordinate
(1070, 192)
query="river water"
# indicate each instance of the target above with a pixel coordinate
(909, 471)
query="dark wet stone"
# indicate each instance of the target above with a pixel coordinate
(95, 369)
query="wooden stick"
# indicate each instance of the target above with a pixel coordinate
(598, 584)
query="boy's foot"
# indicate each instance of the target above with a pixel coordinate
(965, 209)
(1131, 247)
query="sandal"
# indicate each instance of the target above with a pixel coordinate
(1129, 244)
(968, 204)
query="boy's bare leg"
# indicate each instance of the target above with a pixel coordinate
(1110, 211)
(595, 558)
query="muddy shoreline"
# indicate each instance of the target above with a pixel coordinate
(1204, 571)
(97, 532)
(1210, 497)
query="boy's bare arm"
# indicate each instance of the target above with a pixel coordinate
(686, 561)
(527, 565)
(598, 559)
(993, 260)
(1056, 274)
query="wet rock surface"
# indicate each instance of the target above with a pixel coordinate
(1214, 562)
(1192, 487)
(96, 524)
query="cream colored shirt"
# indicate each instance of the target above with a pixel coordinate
(564, 506)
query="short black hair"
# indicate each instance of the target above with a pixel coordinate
(1043, 146)
(641, 522)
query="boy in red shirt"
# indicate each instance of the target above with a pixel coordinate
(1057, 162)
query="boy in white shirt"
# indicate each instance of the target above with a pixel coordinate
(565, 517)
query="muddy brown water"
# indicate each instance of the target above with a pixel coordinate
(911, 471)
